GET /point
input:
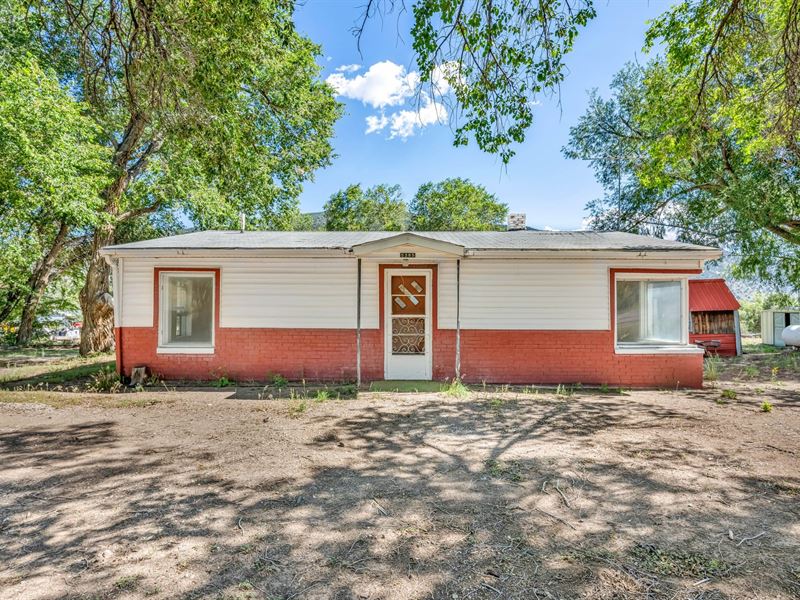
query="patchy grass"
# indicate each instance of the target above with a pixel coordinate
(676, 563)
(297, 407)
(754, 346)
(56, 371)
(64, 400)
(509, 471)
(408, 386)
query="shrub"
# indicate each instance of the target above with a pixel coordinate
(105, 380)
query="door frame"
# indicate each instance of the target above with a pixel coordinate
(387, 316)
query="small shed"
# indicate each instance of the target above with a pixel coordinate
(715, 317)
(774, 321)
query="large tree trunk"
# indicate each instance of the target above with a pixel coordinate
(97, 332)
(37, 285)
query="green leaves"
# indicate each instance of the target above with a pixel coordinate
(499, 56)
(449, 205)
(456, 205)
(379, 208)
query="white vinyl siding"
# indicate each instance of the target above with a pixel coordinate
(138, 293)
(305, 292)
(288, 293)
(261, 292)
(447, 294)
(534, 294)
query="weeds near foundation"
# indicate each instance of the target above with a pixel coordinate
(728, 395)
(711, 368)
(105, 380)
(456, 389)
(766, 406)
(563, 391)
(222, 381)
(278, 380)
(322, 396)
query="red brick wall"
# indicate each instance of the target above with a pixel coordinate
(314, 354)
(494, 356)
(585, 357)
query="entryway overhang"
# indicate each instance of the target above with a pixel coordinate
(405, 239)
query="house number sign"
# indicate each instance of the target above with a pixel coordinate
(408, 254)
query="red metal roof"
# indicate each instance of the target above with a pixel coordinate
(710, 294)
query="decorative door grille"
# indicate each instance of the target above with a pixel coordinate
(409, 300)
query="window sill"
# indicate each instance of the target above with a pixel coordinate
(185, 350)
(659, 349)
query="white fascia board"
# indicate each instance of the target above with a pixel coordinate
(407, 238)
(649, 255)
(225, 252)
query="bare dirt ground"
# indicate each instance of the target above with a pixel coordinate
(500, 494)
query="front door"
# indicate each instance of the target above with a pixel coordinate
(407, 310)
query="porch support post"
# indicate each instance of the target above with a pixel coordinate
(358, 325)
(458, 319)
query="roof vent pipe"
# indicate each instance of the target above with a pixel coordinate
(241, 222)
(516, 221)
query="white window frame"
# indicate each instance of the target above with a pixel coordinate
(165, 347)
(650, 348)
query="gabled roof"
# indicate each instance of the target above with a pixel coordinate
(710, 295)
(468, 240)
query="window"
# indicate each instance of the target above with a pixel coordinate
(187, 310)
(650, 312)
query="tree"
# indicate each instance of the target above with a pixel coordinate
(750, 312)
(51, 172)
(209, 108)
(496, 56)
(668, 164)
(456, 205)
(379, 208)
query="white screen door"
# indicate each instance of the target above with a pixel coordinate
(408, 324)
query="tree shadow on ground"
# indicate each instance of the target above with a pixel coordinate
(515, 498)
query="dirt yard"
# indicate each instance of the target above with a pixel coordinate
(499, 494)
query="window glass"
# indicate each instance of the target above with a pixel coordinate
(189, 310)
(649, 312)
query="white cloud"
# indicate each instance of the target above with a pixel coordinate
(404, 123)
(384, 84)
(376, 123)
(348, 68)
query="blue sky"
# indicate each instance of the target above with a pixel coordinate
(539, 181)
